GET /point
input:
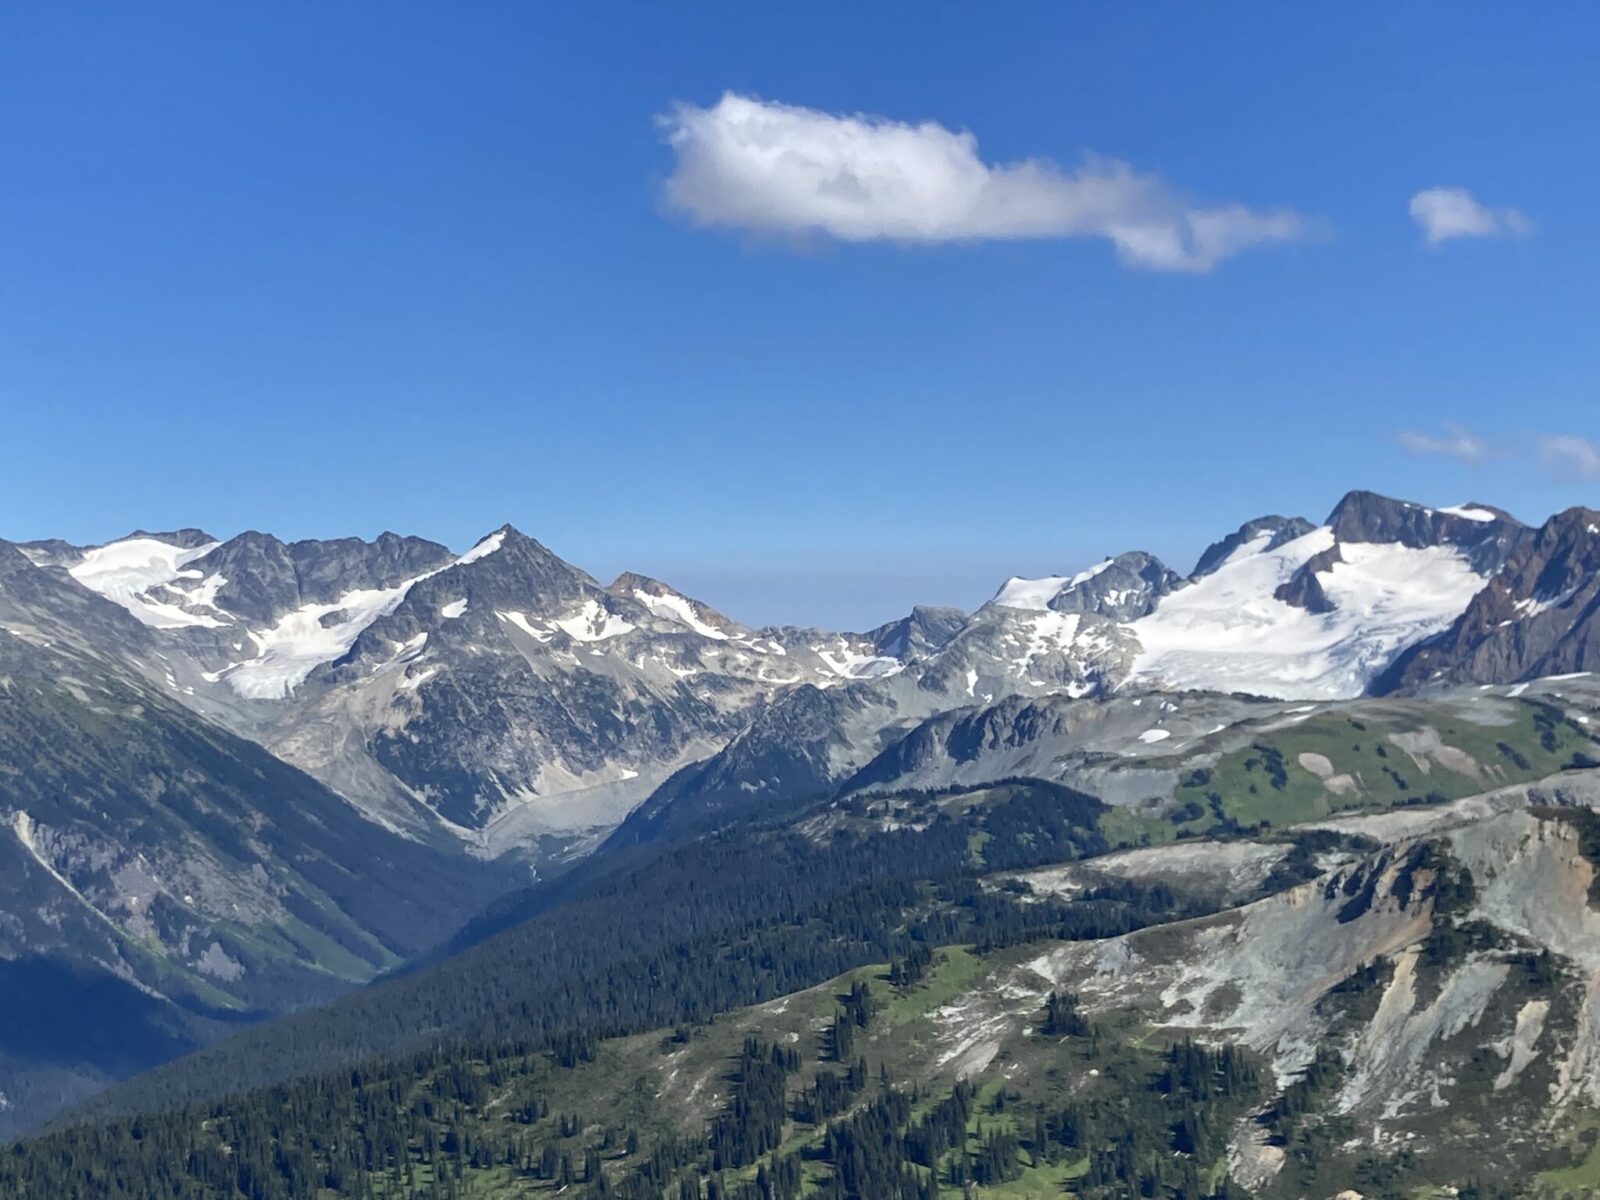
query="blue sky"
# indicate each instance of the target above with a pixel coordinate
(329, 269)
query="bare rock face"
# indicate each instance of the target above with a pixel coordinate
(1537, 617)
(923, 632)
(263, 578)
(1486, 536)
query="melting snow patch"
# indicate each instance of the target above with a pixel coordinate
(674, 607)
(203, 593)
(848, 663)
(1151, 736)
(412, 682)
(593, 624)
(521, 621)
(453, 610)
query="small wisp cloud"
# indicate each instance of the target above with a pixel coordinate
(1565, 455)
(1455, 442)
(1570, 457)
(782, 170)
(1446, 213)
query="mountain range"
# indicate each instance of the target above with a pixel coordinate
(239, 777)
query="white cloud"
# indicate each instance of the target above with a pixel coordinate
(1565, 455)
(780, 169)
(1570, 456)
(1444, 213)
(1454, 442)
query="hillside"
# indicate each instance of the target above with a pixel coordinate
(165, 882)
(1372, 1004)
(1269, 901)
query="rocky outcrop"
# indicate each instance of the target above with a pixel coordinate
(924, 631)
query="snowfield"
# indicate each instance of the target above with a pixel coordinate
(1018, 592)
(306, 638)
(1228, 631)
(127, 571)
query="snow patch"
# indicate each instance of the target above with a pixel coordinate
(1044, 633)
(483, 549)
(453, 610)
(849, 663)
(520, 620)
(592, 623)
(673, 607)
(412, 682)
(1250, 549)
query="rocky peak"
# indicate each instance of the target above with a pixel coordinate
(925, 630)
(511, 570)
(46, 600)
(260, 581)
(52, 552)
(1563, 554)
(631, 581)
(329, 569)
(13, 560)
(1486, 536)
(1278, 530)
(265, 577)
(1123, 588)
(188, 537)
(667, 603)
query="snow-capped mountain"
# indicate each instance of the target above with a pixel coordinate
(429, 685)
(1285, 609)
(449, 705)
(1281, 610)
(507, 697)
